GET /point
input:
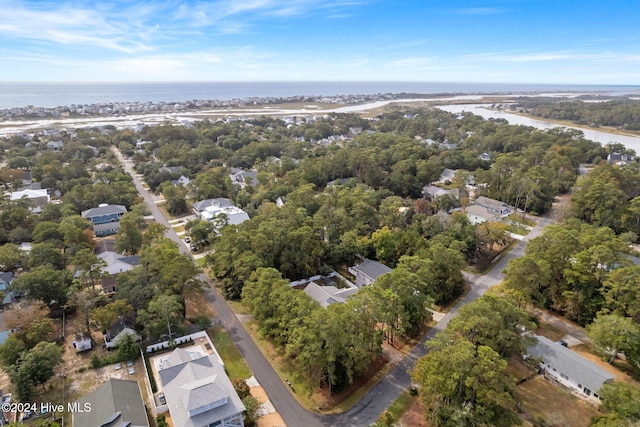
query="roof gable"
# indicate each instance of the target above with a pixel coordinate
(113, 403)
(104, 210)
(197, 390)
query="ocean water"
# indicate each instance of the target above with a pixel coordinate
(22, 94)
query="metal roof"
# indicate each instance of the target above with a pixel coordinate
(570, 363)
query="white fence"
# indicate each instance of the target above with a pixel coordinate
(166, 344)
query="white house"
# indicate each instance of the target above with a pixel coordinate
(198, 392)
(212, 209)
(37, 198)
(368, 271)
(82, 343)
(569, 368)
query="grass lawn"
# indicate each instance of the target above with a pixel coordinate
(234, 364)
(238, 307)
(400, 406)
(317, 400)
(543, 403)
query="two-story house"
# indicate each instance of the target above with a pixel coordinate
(105, 218)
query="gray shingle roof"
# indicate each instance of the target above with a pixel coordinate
(327, 295)
(6, 277)
(570, 363)
(492, 204)
(104, 210)
(111, 398)
(198, 385)
(107, 226)
(373, 269)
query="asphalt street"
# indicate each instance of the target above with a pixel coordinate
(369, 408)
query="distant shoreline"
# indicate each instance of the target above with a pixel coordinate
(252, 108)
(8, 127)
(51, 95)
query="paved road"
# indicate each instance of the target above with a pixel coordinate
(368, 409)
(279, 394)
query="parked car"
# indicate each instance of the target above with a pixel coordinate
(187, 239)
(193, 247)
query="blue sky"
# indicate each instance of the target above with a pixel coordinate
(508, 41)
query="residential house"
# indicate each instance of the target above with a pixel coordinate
(368, 271)
(171, 169)
(6, 278)
(446, 175)
(55, 145)
(569, 368)
(213, 209)
(105, 218)
(37, 198)
(478, 214)
(493, 205)
(118, 330)
(484, 157)
(200, 207)
(115, 264)
(241, 178)
(430, 192)
(115, 403)
(198, 392)
(327, 295)
(340, 181)
(183, 180)
(6, 415)
(619, 159)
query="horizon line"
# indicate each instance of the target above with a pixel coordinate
(81, 82)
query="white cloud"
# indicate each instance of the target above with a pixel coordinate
(551, 56)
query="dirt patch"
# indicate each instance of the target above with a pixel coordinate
(197, 305)
(259, 394)
(542, 403)
(271, 420)
(414, 417)
(518, 368)
(392, 354)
